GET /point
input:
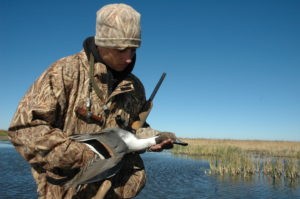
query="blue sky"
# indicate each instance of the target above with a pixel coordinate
(233, 67)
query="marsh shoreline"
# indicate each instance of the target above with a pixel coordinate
(278, 159)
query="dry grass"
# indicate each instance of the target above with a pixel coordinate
(254, 147)
(3, 135)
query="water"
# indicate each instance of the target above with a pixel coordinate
(168, 177)
(174, 177)
(15, 175)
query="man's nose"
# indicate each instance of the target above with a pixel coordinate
(128, 54)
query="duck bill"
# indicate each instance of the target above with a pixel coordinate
(179, 142)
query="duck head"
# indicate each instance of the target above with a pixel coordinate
(168, 135)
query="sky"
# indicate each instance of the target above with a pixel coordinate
(233, 66)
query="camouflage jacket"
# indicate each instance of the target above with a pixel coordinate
(47, 115)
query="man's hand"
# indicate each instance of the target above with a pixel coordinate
(166, 144)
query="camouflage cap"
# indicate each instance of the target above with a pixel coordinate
(118, 26)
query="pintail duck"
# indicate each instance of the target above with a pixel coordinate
(111, 145)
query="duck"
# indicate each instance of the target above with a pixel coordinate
(111, 145)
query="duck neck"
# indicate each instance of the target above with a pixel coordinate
(140, 144)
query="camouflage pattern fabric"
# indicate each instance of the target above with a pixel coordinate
(118, 26)
(46, 116)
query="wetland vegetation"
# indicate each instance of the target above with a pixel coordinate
(277, 159)
(3, 135)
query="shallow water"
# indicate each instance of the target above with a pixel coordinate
(167, 177)
(178, 177)
(16, 180)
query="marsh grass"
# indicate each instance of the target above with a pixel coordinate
(3, 135)
(277, 159)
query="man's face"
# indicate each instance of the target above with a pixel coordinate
(117, 59)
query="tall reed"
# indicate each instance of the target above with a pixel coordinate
(278, 159)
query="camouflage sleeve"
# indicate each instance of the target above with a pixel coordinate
(36, 128)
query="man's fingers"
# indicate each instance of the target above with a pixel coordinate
(167, 144)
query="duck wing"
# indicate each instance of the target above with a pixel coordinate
(111, 149)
